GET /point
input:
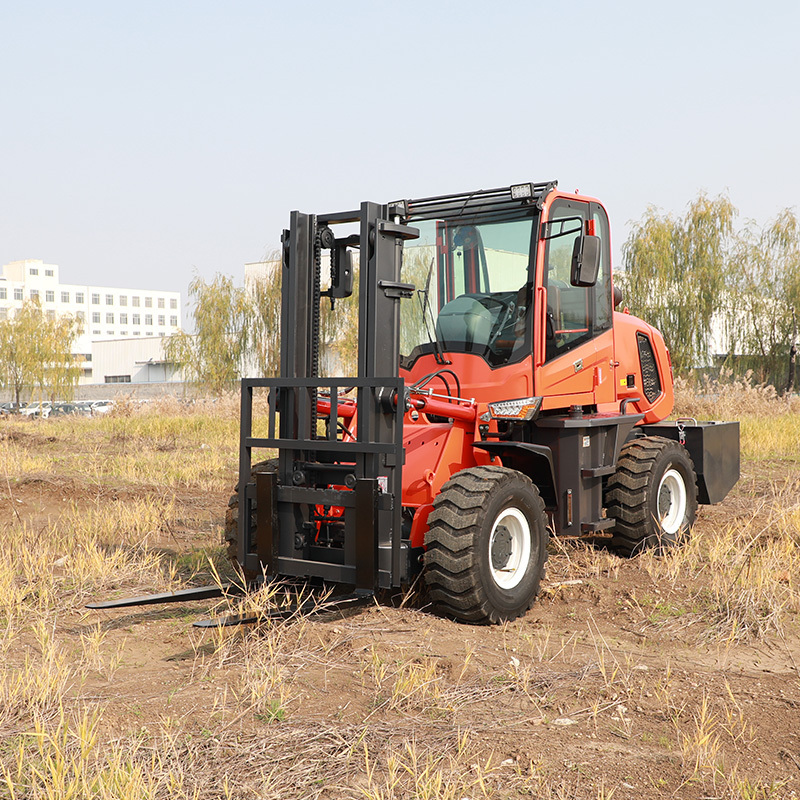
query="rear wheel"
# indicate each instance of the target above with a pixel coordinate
(652, 495)
(486, 545)
(232, 516)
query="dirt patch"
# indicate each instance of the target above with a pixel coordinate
(609, 685)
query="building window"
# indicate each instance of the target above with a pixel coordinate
(51, 315)
(161, 302)
(148, 302)
(123, 319)
(161, 319)
(137, 319)
(137, 333)
(3, 312)
(3, 293)
(81, 316)
(18, 294)
(79, 297)
(65, 297)
(123, 333)
(148, 319)
(109, 299)
(34, 294)
(95, 299)
(173, 320)
(109, 319)
(109, 333)
(96, 317)
(48, 273)
(50, 296)
(135, 302)
(123, 299)
(173, 303)
(95, 332)
(149, 333)
(118, 378)
(34, 270)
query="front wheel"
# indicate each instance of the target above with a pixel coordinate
(486, 545)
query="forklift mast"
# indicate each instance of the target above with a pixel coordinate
(286, 526)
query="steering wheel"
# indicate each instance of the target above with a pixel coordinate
(507, 309)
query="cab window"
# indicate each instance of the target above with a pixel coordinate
(575, 314)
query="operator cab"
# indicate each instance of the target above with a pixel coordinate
(507, 280)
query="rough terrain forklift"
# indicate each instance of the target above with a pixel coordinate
(499, 398)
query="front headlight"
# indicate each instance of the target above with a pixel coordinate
(524, 409)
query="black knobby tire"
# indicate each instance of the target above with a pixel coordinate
(232, 516)
(652, 495)
(486, 545)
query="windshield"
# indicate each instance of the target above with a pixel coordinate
(472, 289)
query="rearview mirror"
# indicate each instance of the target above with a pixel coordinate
(585, 261)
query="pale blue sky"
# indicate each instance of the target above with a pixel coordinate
(142, 141)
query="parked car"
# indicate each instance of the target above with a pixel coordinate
(101, 407)
(38, 409)
(83, 407)
(11, 408)
(64, 410)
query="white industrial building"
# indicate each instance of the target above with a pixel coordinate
(132, 361)
(106, 313)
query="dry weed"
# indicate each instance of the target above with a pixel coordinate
(748, 569)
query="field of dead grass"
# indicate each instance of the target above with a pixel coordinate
(651, 677)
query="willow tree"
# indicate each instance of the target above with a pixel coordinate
(676, 274)
(264, 319)
(36, 352)
(214, 355)
(766, 289)
(60, 369)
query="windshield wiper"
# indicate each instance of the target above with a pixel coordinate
(438, 353)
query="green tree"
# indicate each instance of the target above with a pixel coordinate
(214, 355)
(765, 296)
(61, 371)
(338, 324)
(264, 319)
(676, 274)
(36, 352)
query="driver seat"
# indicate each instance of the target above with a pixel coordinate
(466, 322)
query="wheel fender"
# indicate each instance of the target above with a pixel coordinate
(533, 460)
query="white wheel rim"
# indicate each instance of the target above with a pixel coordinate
(671, 501)
(510, 531)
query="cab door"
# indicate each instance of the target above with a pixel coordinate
(578, 345)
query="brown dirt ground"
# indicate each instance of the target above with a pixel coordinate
(615, 643)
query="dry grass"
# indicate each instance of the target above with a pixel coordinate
(574, 701)
(748, 571)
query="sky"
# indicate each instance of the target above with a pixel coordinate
(144, 143)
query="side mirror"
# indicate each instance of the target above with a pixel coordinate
(585, 261)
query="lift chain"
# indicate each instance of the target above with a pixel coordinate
(315, 324)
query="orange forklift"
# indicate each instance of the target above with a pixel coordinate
(499, 399)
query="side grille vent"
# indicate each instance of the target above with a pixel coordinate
(651, 383)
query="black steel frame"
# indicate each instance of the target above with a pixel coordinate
(276, 520)
(274, 508)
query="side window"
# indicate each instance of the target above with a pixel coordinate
(568, 307)
(602, 290)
